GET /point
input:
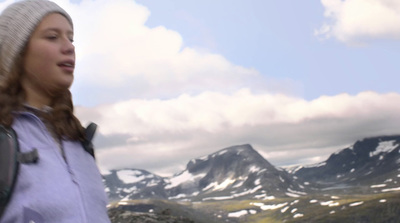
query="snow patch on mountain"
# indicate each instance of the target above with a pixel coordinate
(264, 196)
(129, 190)
(239, 182)
(222, 152)
(131, 176)
(265, 207)
(356, 204)
(384, 147)
(298, 215)
(241, 213)
(329, 203)
(182, 178)
(254, 169)
(234, 195)
(391, 189)
(296, 192)
(215, 186)
(378, 185)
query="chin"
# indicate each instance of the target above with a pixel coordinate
(60, 89)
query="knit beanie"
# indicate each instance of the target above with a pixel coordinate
(17, 23)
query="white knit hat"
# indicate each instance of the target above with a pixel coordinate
(17, 23)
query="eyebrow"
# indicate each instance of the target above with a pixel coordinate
(57, 30)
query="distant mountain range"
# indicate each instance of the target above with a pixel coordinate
(371, 165)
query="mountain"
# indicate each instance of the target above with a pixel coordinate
(369, 164)
(129, 184)
(356, 184)
(236, 172)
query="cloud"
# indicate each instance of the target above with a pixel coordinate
(160, 135)
(358, 21)
(119, 57)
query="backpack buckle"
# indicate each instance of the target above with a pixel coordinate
(29, 157)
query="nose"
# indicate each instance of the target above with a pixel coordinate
(68, 47)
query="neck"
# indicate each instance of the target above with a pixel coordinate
(36, 97)
(37, 102)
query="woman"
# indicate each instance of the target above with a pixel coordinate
(37, 60)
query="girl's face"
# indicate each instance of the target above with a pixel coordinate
(49, 59)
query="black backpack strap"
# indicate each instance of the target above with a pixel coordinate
(87, 143)
(9, 165)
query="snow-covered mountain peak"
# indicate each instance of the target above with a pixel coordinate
(237, 169)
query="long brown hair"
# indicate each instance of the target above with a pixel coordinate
(13, 96)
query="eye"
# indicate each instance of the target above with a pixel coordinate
(70, 36)
(51, 37)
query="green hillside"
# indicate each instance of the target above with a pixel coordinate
(319, 208)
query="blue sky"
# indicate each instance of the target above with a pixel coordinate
(277, 38)
(169, 81)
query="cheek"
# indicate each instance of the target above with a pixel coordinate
(38, 58)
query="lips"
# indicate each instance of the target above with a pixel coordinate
(67, 65)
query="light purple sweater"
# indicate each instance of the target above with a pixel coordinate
(55, 190)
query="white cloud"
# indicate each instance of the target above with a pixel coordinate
(213, 112)
(357, 21)
(161, 134)
(119, 57)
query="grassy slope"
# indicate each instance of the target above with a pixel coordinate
(371, 210)
(340, 210)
